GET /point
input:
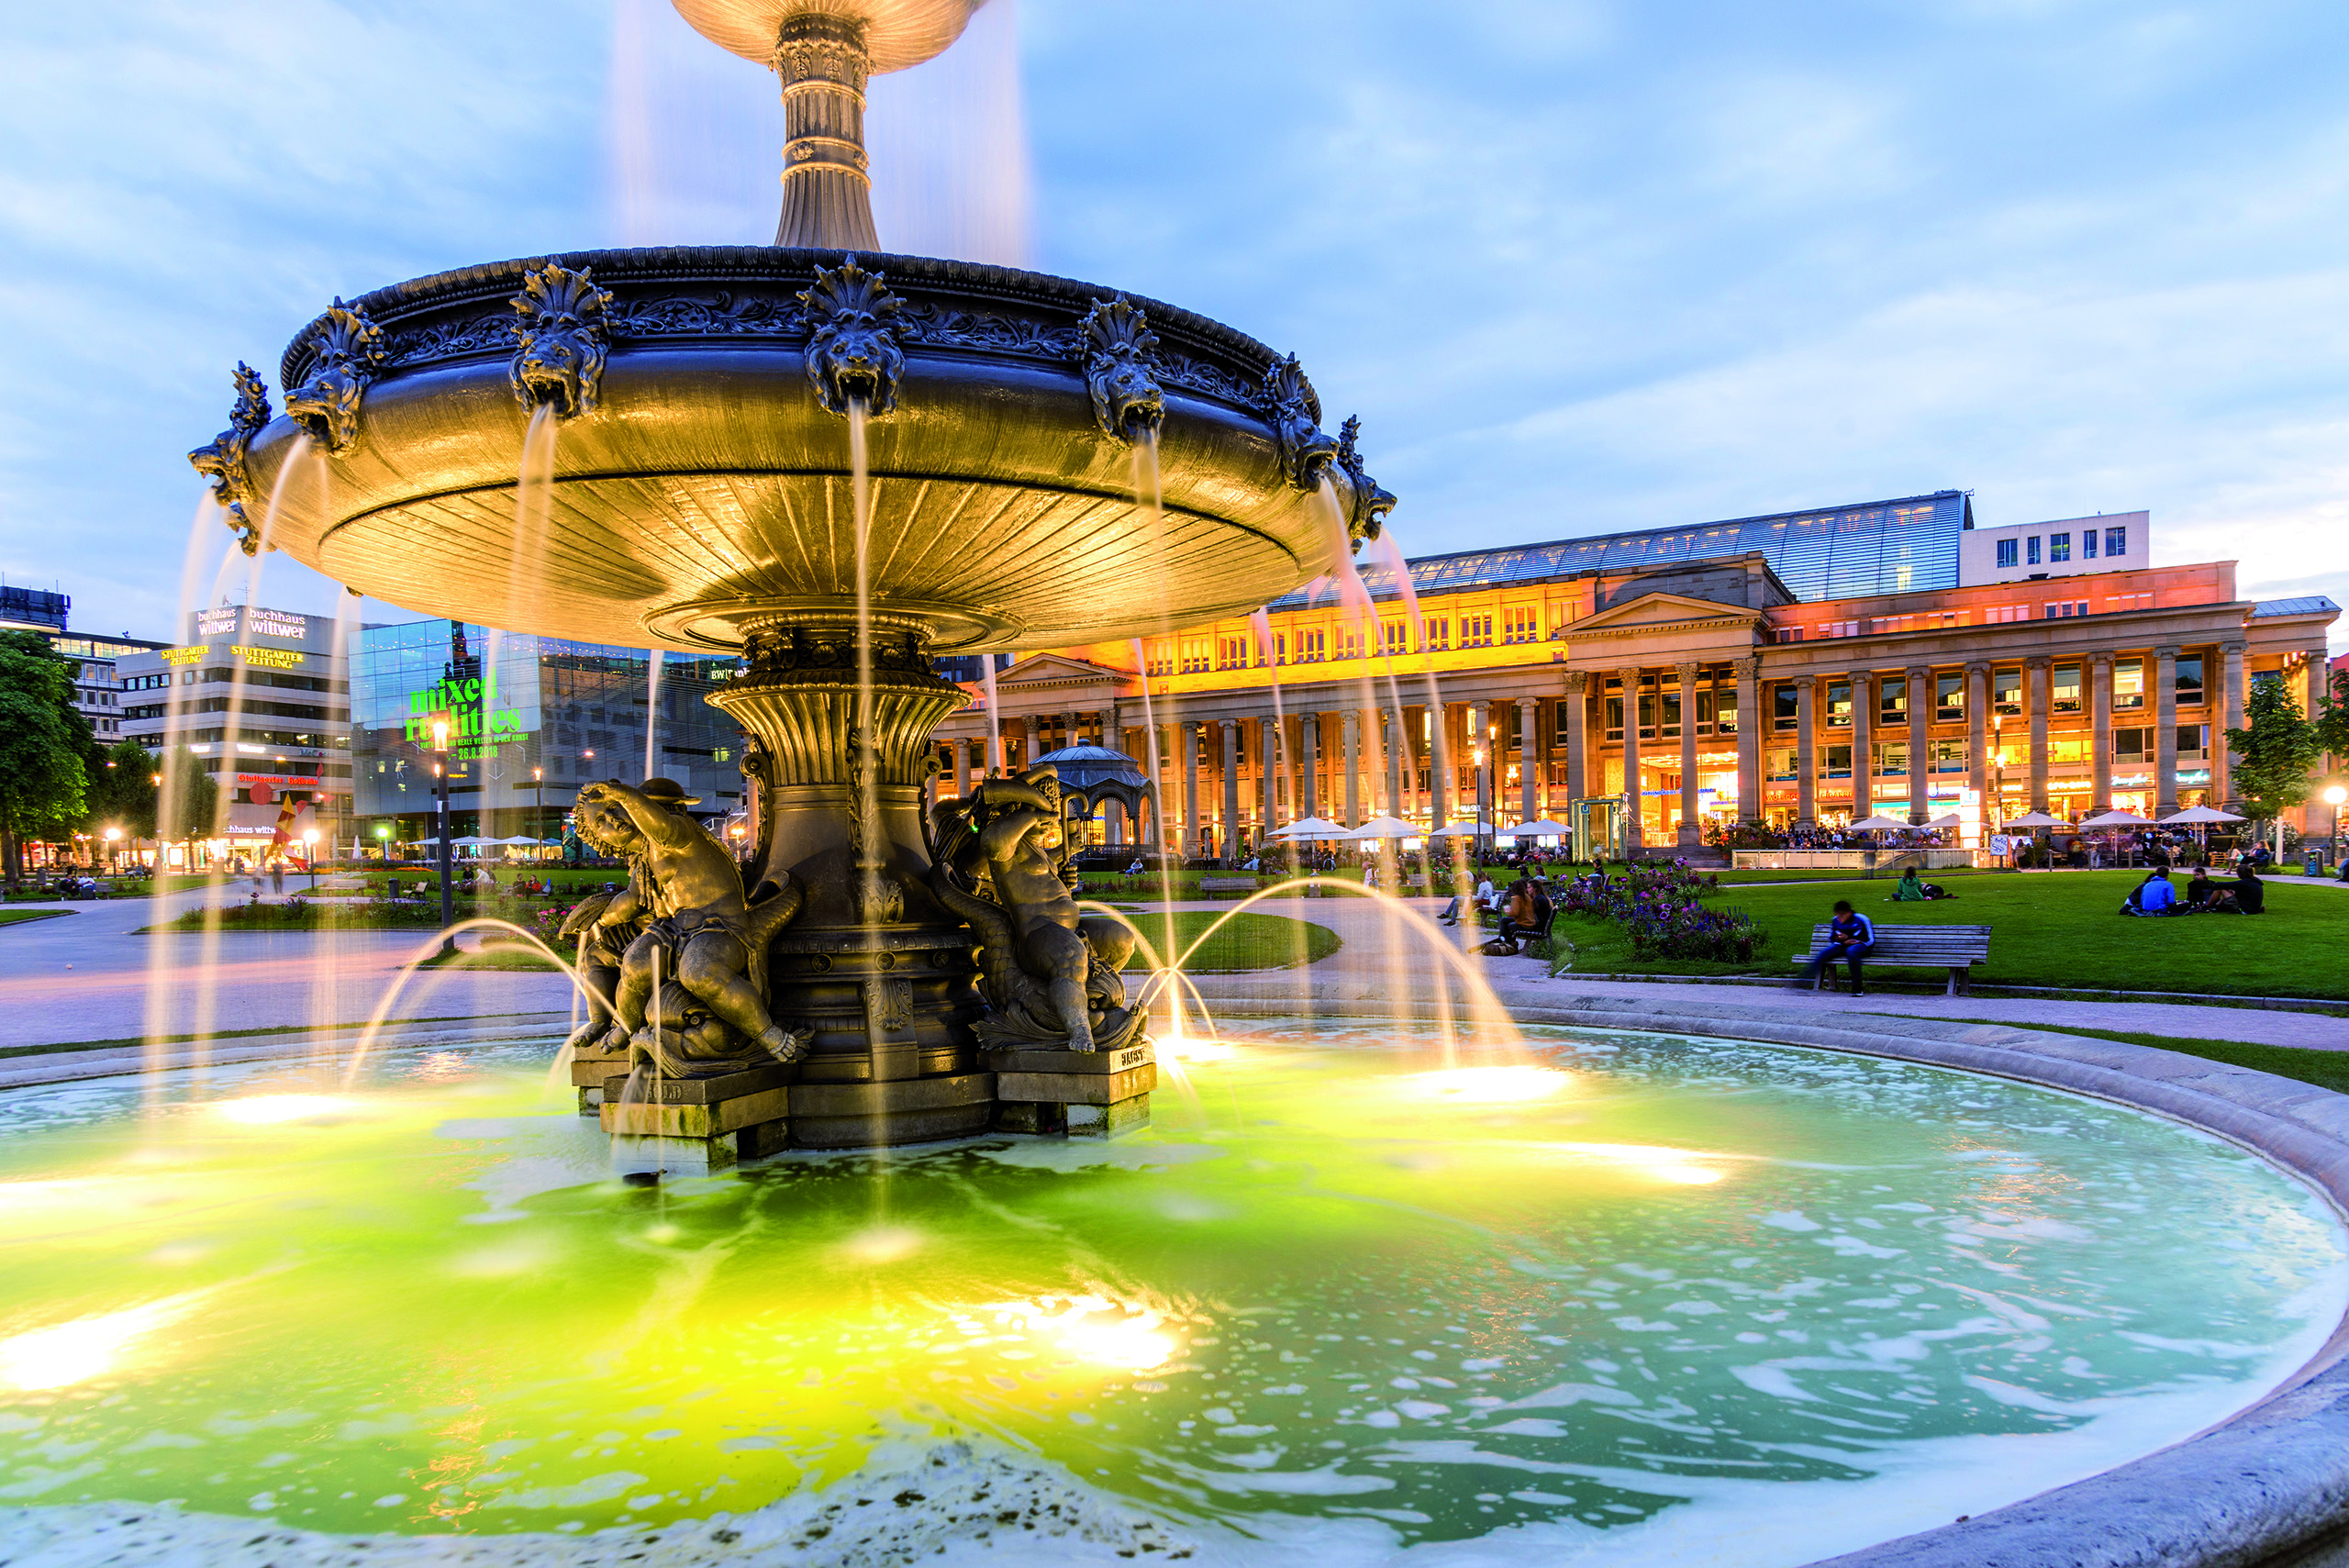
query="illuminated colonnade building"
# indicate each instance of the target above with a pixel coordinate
(1809, 668)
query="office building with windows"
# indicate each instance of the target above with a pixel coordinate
(1800, 668)
(262, 697)
(98, 691)
(527, 720)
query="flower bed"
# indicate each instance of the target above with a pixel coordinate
(1661, 909)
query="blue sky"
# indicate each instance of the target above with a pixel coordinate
(1579, 267)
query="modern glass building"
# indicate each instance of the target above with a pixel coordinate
(1834, 552)
(527, 721)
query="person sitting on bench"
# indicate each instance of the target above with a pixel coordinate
(1526, 913)
(1849, 934)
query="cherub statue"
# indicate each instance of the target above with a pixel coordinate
(1050, 976)
(604, 924)
(691, 1000)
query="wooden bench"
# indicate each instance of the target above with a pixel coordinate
(1954, 947)
(1217, 887)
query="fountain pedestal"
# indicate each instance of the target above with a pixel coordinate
(589, 1071)
(1085, 1093)
(695, 1126)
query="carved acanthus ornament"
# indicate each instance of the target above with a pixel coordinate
(223, 461)
(852, 351)
(350, 352)
(1118, 346)
(1296, 417)
(559, 362)
(1372, 503)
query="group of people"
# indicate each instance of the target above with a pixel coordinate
(2155, 898)
(1523, 906)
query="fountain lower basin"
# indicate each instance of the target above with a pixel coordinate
(1641, 1297)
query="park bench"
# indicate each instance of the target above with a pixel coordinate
(1217, 887)
(1954, 948)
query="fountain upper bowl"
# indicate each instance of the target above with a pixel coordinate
(707, 489)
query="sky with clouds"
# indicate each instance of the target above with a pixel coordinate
(1579, 266)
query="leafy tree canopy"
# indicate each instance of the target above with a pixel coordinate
(2274, 753)
(43, 784)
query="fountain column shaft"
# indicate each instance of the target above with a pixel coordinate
(826, 193)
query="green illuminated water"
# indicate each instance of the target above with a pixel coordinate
(1672, 1290)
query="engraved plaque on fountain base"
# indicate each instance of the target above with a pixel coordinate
(1080, 1094)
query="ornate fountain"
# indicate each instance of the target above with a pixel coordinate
(704, 495)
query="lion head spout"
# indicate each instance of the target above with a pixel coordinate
(853, 353)
(1296, 416)
(559, 362)
(222, 461)
(350, 351)
(1117, 344)
(1372, 501)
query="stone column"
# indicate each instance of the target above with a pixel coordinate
(970, 757)
(1862, 743)
(1268, 768)
(1529, 759)
(1977, 737)
(1689, 836)
(2099, 673)
(1750, 738)
(1441, 779)
(1229, 841)
(1480, 743)
(2230, 713)
(2319, 674)
(1308, 759)
(2037, 666)
(1113, 730)
(1351, 739)
(1577, 705)
(1806, 752)
(1068, 728)
(1920, 743)
(1630, 677)
(1390, 741)
(1190, 839)
(2165, 732)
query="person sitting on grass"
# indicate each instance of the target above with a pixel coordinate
(2153, 898)
(2198, 892)
(1849, 934)
(2251, 893)
(1909, 889)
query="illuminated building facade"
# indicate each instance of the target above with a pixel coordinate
(1804, 669)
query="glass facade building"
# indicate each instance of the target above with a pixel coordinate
(1834, 552)
(529, 719)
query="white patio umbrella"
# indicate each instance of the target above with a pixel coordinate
(1879, 824)
(1385, 827)
(1311, 828)
(1464, 828)
(1948, 819)
(2037, 820)
(2116, 818)
(2199, 816)
(1544, 828)
(520, 838)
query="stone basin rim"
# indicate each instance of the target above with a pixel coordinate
(2267, 1488)
(495, 282)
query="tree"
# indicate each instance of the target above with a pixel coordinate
(189, 805)
(2273, 757)
(42, 741)
(2332, 720)
(122, 790)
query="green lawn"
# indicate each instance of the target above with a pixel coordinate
(1246, 940)
(2056, 930)
(18, 916)
(2325, 1069)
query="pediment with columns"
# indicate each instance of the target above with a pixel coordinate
(1664, 628)
(1049, 681)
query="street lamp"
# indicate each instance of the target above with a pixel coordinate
(310, 854)
(448, 871)
(539, 807)
(114, 837)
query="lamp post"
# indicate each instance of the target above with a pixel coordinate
(448, 871)
(2333, 796)
(114, 837)
(310, 854)
(538, 806)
